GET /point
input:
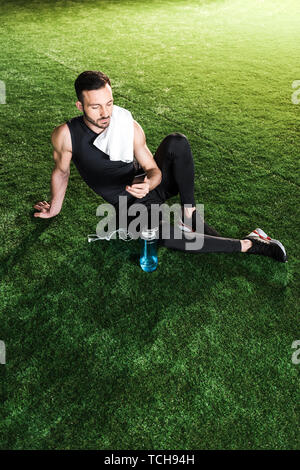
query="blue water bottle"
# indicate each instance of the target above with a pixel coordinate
(148, 257)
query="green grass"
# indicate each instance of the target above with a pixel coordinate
(196, 355)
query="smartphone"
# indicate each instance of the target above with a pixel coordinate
(139, 178)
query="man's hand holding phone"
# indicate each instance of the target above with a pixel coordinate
(139, 187)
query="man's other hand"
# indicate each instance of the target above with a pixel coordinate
(139, 190)
(45, 210)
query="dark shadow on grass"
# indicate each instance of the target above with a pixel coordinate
(9, 261)
(106, 281)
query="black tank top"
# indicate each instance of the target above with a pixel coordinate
(106, 177)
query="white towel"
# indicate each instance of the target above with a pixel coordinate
(117, 139)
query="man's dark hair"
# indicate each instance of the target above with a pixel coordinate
(90, 80)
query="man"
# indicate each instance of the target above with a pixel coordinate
(97, 142)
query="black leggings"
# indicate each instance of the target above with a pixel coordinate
(175, 160)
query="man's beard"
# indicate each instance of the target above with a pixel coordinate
(103, 126)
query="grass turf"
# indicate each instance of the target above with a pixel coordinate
(197, 354)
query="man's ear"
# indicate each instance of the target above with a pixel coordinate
(79, 105)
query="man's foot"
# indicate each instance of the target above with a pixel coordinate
(262, 244)
(189, 224)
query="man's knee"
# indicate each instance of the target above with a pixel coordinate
(176, 136)
(176, 142)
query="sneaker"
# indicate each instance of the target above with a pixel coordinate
(262, 244)
(189, 224)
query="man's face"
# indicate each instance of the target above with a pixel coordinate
(97, 106)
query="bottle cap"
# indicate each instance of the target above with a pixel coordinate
(149, 234)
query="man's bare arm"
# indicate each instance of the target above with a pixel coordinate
(62, 154)
(147, 162)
